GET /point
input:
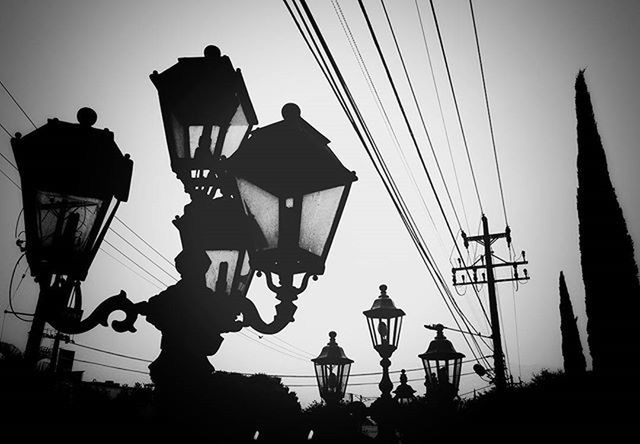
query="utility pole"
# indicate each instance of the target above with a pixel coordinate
(486, 263)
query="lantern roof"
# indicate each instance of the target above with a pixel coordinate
(218, 224)
(383, 306)
(204, 80)
(404, 390)
(289, 157)
(73, 158)
(332, 353)
(440, 348)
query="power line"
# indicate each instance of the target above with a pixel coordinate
(144, 241)
(18, 105)
(486, 99)
(130, 269)
(10, 179)
(134, 262)
(245, 335)
(381, 168)
(281, 347)
(107, 352)
(406, 120)
(444, 125)
(111, 366)
(6, 131)
(455, 101)
(144, 255)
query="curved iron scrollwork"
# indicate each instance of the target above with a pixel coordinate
(286, 292)
(68, 320)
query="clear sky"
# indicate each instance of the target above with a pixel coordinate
(60, 56)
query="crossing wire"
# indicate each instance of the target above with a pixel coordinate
(396, 198)
(18, 105)
(486, 99)
(455, 101)
(380, 169)
(406, 120)
(444, 125)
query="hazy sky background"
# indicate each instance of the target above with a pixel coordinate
(60, 56)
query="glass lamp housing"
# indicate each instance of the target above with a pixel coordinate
(73, 178)
(442, 364)
(218, 227)
(206, 112)
(332, 371)
(385, 323)
(294, 190)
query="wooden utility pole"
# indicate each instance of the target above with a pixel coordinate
(488, 262)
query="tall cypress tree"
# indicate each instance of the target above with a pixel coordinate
(574, 362)
(609, 269)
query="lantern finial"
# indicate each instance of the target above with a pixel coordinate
(290, 111)
(332, 337)
(86, 117)
(383, 290)
(212, 52)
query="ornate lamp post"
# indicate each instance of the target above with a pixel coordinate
(385, 322)
(442, 364)
(404, 392)
(293, 199)
(73, 179)
(332, 371)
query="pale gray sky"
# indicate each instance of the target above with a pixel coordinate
(60, 56)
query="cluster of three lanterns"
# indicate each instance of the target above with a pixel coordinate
(442, 363)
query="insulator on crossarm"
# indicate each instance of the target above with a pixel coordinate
(526, 273)
(524, 256)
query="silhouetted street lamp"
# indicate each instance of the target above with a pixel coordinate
(73, 179)
(332, 371)
(442, 364)
(385, 322)
(404, 393)
(294, 190)
(206, 112)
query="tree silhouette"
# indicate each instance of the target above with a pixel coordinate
(574, 362)
(609, 270)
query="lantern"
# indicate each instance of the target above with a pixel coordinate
(442, 364)
(218, 227)
(404, 392)
(332, 371)
(206, 112)
(385, 322)
(73, 179)
(294, 190)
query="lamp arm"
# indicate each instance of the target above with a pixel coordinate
(251, 317)
(288, 291)
(100, 316)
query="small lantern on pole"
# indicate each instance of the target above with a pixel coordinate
(385, 323)
(404, 393)
(442, 365)
(332, 371)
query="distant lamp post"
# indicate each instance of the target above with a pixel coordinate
(332, 371)
(206, 112)
(442, 365)
(294, 190)
(385, 322)
(404, 393)
(73, 179)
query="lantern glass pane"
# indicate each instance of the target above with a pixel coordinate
(222, 269)
(263, 211)
(245, 275)
(317, 219)
(64, 222)
(195, 132)
(179, 137)
(238, 127)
